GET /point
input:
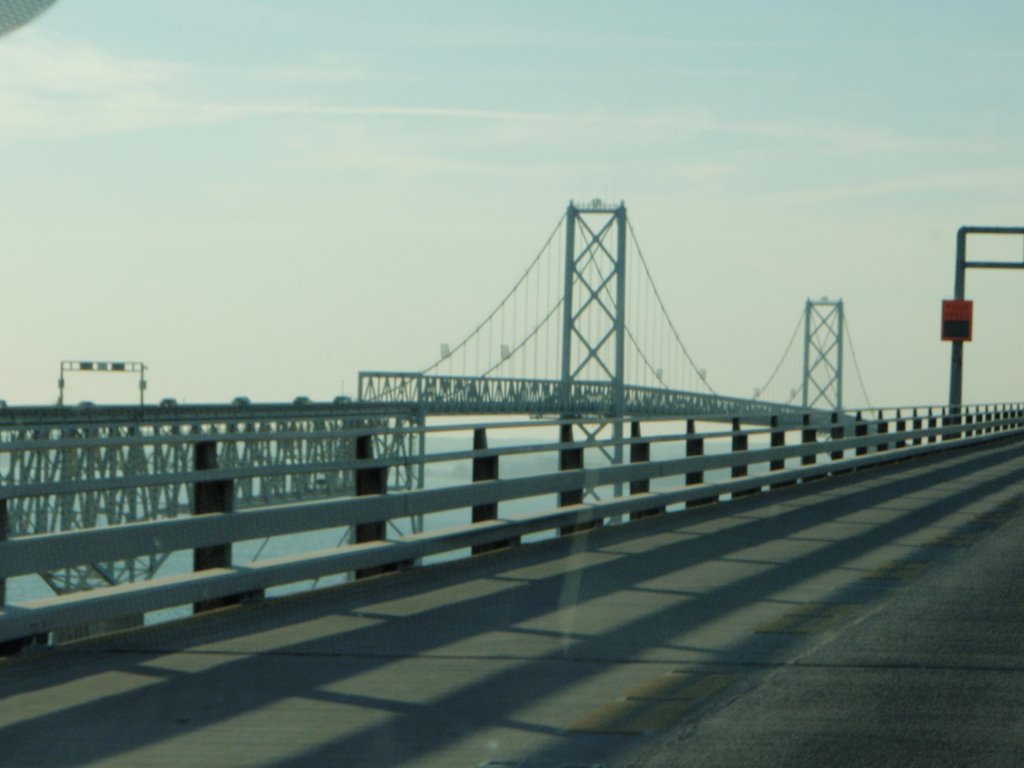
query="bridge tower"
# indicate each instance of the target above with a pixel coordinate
(594, 306)
(823, 355)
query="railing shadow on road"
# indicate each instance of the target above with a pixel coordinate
(590, 566)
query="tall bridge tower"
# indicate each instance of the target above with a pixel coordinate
(594, 301)
(594, 307)
(823, 355)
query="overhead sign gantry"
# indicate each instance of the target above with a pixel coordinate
(67, 366)
(957, 315)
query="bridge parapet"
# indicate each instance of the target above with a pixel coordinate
(670, 469)
(87, 467)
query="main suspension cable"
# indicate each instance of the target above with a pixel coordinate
(856, 365)
(789, 346)
(503, 302)
(664, 311)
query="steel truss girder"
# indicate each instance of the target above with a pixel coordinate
(40, 446)
(475, 395)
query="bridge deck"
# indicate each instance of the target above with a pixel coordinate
(868, 619)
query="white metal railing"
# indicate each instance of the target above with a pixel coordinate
(678, 456)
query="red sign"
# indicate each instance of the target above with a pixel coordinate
(956, 320)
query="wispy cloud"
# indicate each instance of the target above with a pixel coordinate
(991, 180)
(51, 89)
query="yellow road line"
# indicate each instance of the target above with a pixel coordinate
(806, 619)
(901, 569)
(667, 686)
(653, 705)
(605, 718)
(994, 518)
(659, 716)
(954, 540)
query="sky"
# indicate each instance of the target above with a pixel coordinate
(263, 197)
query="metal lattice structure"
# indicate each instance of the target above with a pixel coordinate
(286, 453)
(823, 355)
(594, 311)
(474, 395)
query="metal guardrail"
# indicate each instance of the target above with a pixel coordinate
(756, 460)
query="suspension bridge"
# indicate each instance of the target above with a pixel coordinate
(586, 331)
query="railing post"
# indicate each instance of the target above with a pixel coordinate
(372, 481)
(777, 440)
(11, 647)
(212, 497)
(953, 417)
(569, 459)
(901, 427)
(917, 427)
(860, 429)
(639, 453)
(3, 537)
(883, 429)
(933, 424)
(808, 436)
(486, 468)
(740, 444)
(695, 447)
(837, 433)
